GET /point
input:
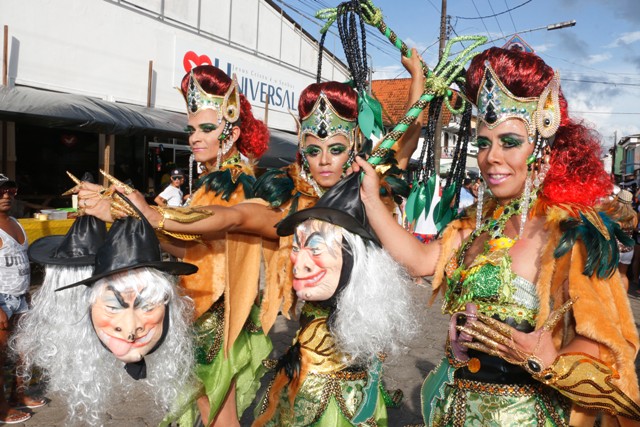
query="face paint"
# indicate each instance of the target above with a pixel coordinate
(317, 261)
(126, 323)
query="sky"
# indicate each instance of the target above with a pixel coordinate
(598, 59)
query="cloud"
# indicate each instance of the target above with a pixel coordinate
(570, 42)
(389, 72)
(625, 39)
(543, 48)
(420, 46)
(601, 57)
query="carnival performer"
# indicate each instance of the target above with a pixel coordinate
(621, 211)
(357, 306)
(541, 331)
(329, 140)
(92, 332)
(221, 128)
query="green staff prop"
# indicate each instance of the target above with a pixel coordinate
(437, 84)
(437, 81)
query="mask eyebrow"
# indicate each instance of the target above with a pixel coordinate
(314, 239)
(118, 296)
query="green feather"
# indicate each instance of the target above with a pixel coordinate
(602, 252)
(220, 183)
(275, 187)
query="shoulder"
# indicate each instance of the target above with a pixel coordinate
(591, 229)
(230, 179)
(280, 186)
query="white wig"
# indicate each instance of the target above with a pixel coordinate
(57, 336)
(375, 311)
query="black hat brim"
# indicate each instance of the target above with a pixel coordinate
(41, 250)
(288, 225)
(171, 267)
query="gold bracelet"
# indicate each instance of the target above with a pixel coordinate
(589, 382)
(160, 210)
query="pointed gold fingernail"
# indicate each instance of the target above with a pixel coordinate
(72, 190)
(74, 178)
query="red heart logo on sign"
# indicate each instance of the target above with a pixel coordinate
(191, 60)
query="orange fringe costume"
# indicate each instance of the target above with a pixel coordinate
(601, 311)
(228, 268)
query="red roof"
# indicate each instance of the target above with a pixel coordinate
(393, 95)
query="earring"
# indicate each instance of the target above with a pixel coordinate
(481, 190)
(524, 203)
(305, 173)
(192, 159)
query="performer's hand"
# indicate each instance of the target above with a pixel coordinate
(457, 338)
(370, 186)
(519, 348)
(413, 64)
(94, 199)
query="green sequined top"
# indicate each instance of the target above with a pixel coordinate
(491, 284)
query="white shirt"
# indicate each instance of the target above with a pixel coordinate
(466, 198)
(15, 271)
(173, 195)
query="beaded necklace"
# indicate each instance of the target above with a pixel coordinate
(489, 276)
(494, 226)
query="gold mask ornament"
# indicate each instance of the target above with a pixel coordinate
(497, 104)
(227, 106)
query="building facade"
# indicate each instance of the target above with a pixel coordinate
(91, 84)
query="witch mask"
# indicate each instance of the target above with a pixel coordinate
(128, 315)
(317, 259)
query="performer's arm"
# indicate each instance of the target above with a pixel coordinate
(419, 259)
(408, 143)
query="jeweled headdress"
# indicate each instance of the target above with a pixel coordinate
(227, 106)
(324, 122)
(497, 104)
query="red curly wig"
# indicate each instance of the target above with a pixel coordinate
(254, 135)
(342, 96)
(576, 174)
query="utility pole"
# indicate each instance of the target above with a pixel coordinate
(444, 32)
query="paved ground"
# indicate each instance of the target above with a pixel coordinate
(407, 373)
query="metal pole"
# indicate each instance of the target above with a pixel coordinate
(437, 150)
(150, 84)
(5, 56)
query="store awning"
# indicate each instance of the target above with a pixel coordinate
(282, 150)
(70, 111)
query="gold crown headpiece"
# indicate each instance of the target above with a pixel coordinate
(497, 104)
(323, 121)
(227, 106)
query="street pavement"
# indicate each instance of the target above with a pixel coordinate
(405, 372)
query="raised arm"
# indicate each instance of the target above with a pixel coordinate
(408, 143)
(253, 216)
(419, 259)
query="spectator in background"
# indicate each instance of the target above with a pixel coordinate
(621, 210)
(172, 195)
(466, 195)
(15, 277)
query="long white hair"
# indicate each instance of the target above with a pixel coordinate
(57, 336)
(374, 311)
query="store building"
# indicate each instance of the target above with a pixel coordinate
(91, 84)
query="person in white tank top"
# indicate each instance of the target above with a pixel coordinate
(15, 277)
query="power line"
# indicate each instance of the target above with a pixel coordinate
(511, 16)
(482, 20)
(604, 112)
(600, 82)
(496, 17)
(497, 14)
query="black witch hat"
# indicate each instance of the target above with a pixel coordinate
(77, 248)
(131, 243)
(341, 205)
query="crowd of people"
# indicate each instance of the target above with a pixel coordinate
(530, 271)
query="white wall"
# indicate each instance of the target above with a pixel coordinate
(102, 48)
